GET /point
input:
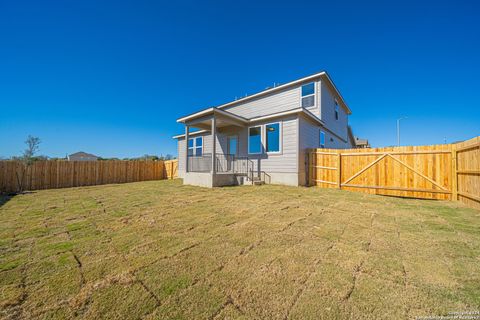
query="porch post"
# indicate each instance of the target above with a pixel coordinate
(214, 144)
(187, 131)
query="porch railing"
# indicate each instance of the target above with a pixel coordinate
(244, 166)
(224, 163)
(201, 163)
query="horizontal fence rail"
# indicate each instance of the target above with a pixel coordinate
(15, 176)
(467, 173)
(446, 172)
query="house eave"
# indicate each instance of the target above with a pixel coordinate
(180, 136)
(195, 115)
(212, 111)
(303, 111)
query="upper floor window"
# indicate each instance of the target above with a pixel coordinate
(255, 139)
(308, 95)
(336, 109)
(322, 139)
(273, 137)
(195, 146)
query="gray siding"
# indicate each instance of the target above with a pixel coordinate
(309, 137)
(316, 108)
(276, 102)
(339, 127)
(287, 99)
(284, 162)
(298, 133)
(207, 148)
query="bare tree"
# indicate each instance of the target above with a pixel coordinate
(33, 145)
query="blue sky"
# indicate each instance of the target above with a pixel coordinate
(111, 77)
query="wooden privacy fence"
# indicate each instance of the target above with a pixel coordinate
(64, 174)
(447, 172)
(171, 169)
(467, 172)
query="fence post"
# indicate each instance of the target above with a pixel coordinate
(339, 170)
(454, 174)
(307, 168)
(313, 167)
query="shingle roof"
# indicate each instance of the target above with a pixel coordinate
(82, 154)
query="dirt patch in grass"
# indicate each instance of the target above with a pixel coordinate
(156, 250)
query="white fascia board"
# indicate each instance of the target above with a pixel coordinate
(213, 110)
(338, 94)
(276, 115)
(231, 115)
(190, 134)
(310, 115)
(195, 115)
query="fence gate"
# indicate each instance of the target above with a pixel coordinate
(418, 172)
(446, 172)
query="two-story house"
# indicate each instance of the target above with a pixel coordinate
(264, 137)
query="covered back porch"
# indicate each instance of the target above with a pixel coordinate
(218, 167)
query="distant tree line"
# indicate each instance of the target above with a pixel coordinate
(47, 158)
(145, 157)
(33, 146)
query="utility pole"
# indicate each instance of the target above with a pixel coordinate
(398, 129)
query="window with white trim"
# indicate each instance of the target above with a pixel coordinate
(195, 146)
(255, 140)
(308, 95)
(336, 109)
(322, 139)
(273, 137)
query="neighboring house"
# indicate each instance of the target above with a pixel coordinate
(357, 142)
(361, 143)
(264, 137)
(82, 156)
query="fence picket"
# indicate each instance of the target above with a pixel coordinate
(446, 172)
(62, 174)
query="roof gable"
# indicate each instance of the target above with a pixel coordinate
(320, 75)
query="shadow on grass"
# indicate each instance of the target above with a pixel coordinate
(4, 198)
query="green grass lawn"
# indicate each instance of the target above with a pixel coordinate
(161, 250)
